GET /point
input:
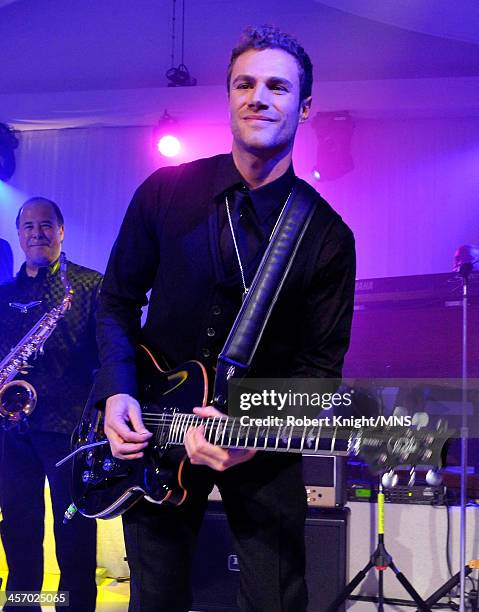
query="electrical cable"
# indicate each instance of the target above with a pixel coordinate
(173, 34)
(179, 76)
(183, 35)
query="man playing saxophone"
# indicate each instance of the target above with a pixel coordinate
(61, 378)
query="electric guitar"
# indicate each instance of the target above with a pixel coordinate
(104, 487)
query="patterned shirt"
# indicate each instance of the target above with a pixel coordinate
(62, 376)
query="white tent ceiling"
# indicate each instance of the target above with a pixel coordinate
(458, 20)
(79, 46)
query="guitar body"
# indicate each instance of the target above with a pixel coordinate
(104, 487)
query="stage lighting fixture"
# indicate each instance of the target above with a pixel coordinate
(169, 145)
(8, 143)
(165, 138)
(180, 77)
(334, 131)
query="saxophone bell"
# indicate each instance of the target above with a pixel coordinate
(17, 400)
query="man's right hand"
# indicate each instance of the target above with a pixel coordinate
(124, 427)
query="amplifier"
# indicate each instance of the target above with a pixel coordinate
(400, 494)
(410, 327)
(216, 569)
(324, 478)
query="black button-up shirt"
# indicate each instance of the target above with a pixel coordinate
(170, 243)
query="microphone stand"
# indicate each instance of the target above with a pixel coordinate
(464, 271)
(465, 262)
(381, 560)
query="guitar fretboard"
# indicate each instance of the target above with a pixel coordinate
(230, 433)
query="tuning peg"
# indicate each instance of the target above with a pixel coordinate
(433, 477)
(420, 419)
(412, 477)
(389, 479)
(441, 425)
(400, 411)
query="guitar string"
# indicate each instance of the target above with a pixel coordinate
(311, 438)
(272, 439)
(232, 422)
(154, 418)
(167, 418)
(215, 421)
(209, 422)
(316, 436)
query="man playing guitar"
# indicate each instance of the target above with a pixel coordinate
(194, 235)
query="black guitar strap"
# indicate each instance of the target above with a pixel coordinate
(240, 346)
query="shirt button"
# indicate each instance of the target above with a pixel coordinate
(216, 310)
(206, 352)
(210, 331)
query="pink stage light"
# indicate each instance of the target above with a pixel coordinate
(169, 145)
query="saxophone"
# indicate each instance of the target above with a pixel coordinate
(18, 397)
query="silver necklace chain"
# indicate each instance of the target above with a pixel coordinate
(230, 222)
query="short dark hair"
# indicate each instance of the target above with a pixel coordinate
(56, 209)
(271, 37)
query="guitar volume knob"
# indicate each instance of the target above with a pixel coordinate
(87, 476)
(108, 464)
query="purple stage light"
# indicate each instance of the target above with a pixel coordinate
(169, 145)
(164, 137)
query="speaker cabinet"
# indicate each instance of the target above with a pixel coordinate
(216, 569)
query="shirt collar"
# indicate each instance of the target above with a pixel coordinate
(265, 199)
(42, 273)
(227, 176)
(271, 197)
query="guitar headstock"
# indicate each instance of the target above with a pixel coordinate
(385, 448)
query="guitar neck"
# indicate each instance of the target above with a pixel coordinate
(230, 433)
